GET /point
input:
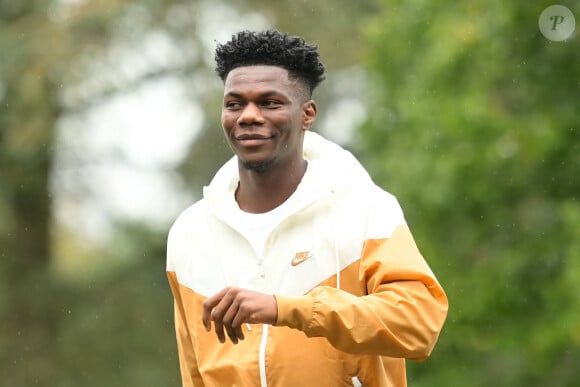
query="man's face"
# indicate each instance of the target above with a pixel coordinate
(265, 115)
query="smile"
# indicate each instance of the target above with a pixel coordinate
(252, 140)
(252, 136)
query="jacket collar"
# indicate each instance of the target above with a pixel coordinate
(331, 169)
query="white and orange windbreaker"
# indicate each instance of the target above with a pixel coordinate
(355, 297)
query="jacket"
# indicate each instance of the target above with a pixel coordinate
(359, 302)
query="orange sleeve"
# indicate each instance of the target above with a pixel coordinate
(190, 375)
(400, 316)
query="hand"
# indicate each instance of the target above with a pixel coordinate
(232, 307)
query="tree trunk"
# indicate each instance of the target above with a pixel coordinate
(28, 325)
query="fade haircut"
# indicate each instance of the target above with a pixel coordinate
(274, 48)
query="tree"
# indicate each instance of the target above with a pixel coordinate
(28, 112)
(474, 126)
(31, 79)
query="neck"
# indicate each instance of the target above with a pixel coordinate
(260, 192)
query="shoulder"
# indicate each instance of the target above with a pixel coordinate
(189, 217)
(183, 231)
(186, 224)
(375, 198)
(382, 197)
(384, 213)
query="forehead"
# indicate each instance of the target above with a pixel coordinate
(259, 77)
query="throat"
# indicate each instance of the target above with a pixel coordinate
(260, 192)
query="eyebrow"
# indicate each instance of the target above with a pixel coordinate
(265, 94)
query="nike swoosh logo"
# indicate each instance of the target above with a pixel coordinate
(300, 257)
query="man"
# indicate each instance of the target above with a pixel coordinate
(294, 269)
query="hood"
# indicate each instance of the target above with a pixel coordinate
(330, 169)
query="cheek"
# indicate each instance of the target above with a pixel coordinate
(226, 122)
(286, 120)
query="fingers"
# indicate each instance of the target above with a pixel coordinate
(218, 325)
(230, 308)
(232, 322)
(222, 309)
(209, 308)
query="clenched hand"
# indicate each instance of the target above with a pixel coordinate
(231, 307)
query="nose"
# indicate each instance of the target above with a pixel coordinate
(250, 115)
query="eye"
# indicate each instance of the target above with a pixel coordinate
(272, 103)
(232, 105)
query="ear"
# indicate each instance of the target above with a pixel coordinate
(309, 111)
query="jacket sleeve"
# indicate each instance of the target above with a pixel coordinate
(187, 358)
(401, 314)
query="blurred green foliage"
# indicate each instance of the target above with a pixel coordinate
(475, 128)
(472, 122)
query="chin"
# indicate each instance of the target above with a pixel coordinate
(258, 166)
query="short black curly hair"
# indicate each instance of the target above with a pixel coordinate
(271, 47)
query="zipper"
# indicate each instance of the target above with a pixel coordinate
(262, 356)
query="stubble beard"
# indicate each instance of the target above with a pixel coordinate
(259, 167)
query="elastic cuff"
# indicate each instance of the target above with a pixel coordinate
(294, 312)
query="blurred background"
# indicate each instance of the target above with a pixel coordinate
(109, 126)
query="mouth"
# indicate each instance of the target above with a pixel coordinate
(252, 136)
(252, 139)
